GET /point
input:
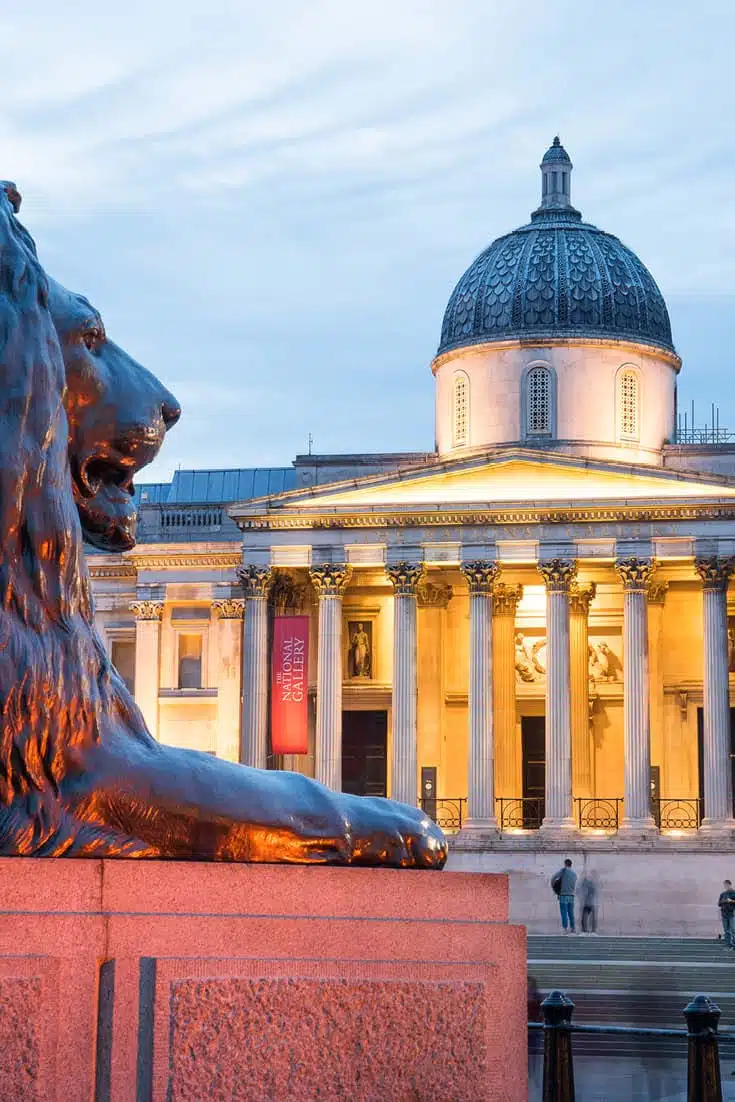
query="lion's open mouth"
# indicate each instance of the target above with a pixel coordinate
(97, 473)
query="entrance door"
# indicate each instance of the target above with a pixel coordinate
(700, 754)
(533, 743)
(364, 753)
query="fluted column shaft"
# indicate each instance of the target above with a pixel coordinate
(148, 616)
(636, 576)
(330, 581)
(558, 574)
(718, 811)
(404, 764)
(481, 765)
(579, 604)
(229, 613)
(508, 756)
(255, 581)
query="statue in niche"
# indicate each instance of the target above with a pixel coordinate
(80, 775)
(361, 651)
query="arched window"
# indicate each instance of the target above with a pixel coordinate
(461, 410)
(538, 401)
(628, 404)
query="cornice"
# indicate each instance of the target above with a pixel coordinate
(572, 514)
(111, 570)
(171, 559)
(639, 348)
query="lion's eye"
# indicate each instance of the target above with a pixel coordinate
(92, 337)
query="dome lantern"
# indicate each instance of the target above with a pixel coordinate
(556, 179)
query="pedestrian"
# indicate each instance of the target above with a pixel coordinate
(726, 903)
(563, 884)
(589, 898)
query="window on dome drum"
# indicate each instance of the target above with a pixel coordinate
(538, 401)
(628, 404)
(461, 410)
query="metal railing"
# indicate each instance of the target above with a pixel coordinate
(598, 813)
(448, 812)
(189, 523)
(702, 1017)
(677, 814)
(519, 813)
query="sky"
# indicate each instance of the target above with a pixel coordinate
(271, 203)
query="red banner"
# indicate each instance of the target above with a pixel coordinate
(289, 685)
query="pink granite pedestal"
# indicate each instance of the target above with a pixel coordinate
(176, 982)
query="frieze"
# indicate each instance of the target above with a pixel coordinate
(330, 579)
(635, 574)
(229, 608)
(714, 572)
(255, 580)
(480, 576)
(405, 577)
(147, 610)
(558, 574)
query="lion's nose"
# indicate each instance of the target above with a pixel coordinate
(170, 411)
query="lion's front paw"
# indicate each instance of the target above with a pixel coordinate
(384, 832)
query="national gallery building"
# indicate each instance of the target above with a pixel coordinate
(528, 629)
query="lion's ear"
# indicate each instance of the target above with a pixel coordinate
(22, 280)
(14, 196)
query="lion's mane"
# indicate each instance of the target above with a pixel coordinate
(57, 686)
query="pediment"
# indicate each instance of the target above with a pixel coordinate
(522, 479)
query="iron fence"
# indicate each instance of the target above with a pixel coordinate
(520, 813)
(599, 813)
(448, 813)
(677, 814)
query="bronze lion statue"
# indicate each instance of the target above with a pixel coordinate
(80, 775)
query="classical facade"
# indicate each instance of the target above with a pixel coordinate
(530, 629)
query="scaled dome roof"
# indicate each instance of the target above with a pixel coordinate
(556, 277)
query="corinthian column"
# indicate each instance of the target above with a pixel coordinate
(148, 659)
(255, 581)
(718, 814)
(404, 767)
(480, 577)
(558, 574)
(580, 597)
(636, 576)
(230, 613)
(330, 581)
(508, 756)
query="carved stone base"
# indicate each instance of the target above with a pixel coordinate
(718, 828)
(638, 828)
(558, 828)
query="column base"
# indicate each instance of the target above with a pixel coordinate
(718, 828)
(638, 828)
(479, 829)
(562, 828)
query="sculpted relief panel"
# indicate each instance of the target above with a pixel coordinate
(604, 658)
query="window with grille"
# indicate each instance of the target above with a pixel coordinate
(629, 405)
(538, 407)
(461, 410)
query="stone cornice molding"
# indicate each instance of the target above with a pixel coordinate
(506, 598)
(229, 608)
(558, 574)
(255, 580)
(480, 576)
(714, 572)
(173, 560)
(636, 574)
(330, 579)
(433, 594)
(657, 592)
(640, 348)
(111, 570)
(147, 610)
(581, 596)
(405, 577)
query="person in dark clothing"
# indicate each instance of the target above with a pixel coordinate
(563, 884)
(589, 898)
(726, 903)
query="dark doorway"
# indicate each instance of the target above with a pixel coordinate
(533, 743)
(364, 751)
(700, 755)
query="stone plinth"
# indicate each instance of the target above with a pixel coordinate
(127, 981)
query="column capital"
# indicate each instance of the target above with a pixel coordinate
(635, 574)
(480, 576)
(714, 572)
(255, 580)
(405, 577)
(558, 574)
(229, 608)
(581, 595)
(147, 610)
(330, 579)
(433, 594)
(506, 598)
(657, 592)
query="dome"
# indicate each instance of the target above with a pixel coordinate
(557, 277)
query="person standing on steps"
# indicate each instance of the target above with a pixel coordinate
(726, 903)
(589, 899)
(563, 884)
